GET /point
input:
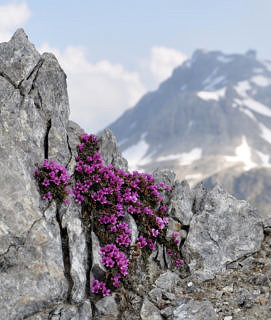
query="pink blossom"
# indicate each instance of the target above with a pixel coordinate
(155, 232)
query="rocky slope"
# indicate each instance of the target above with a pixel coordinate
(46, 254)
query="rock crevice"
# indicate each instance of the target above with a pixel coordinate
(48, 253)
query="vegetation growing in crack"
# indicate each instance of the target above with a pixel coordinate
(53, 179)
(111, 198)
(108, 195)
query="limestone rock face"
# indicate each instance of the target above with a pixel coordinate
(224, 231)
(34, 114)
(48, 253)
(110, 151)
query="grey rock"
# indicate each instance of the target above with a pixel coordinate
(149, 311)
(64, 312)
(107, 306)
(85, 311)
(182, 202)
(267, 222)
(77, 251)
(194, 310)
(110, 151)
(132, 226)
(97, 269)
(167, 176)
(74, 132)
(157, 295)
(167, 281)
(199, 194)
(245, 298)
(33, 121)
(53, 94)
(33, 276)
(50, 212)
(160, 256)
(227, 229)
(174, 226)
(18, 58)
(167, 312)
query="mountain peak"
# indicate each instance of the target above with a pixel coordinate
(213, 112)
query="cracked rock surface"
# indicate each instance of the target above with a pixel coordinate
(225, 230)
(31, 265)
(48, 255)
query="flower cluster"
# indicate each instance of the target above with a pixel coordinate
(109, 194)
(53, 179)
(98, 286)
(112, 255)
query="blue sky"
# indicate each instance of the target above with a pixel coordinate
(115, 51)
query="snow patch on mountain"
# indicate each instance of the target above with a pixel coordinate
(261, 81)
(243, 154)
(265, 133)
(185, 158)
(224, 59)
(256, 106)
(136, 154)
(267, 65)
(212, 95)
(247, 112)
(265, 159)
(242, 88)
(194, 176)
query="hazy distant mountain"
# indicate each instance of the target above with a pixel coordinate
(212, 114)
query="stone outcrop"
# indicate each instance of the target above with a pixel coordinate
(46, 255)
(225, 230)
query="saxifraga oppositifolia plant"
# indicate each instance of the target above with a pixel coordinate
(53, 179)
(107, 195)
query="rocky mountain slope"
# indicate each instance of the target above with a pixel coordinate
(47, 255)
(212, 114)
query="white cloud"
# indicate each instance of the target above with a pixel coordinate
(12, 16)
(99, 92)
(163, 61)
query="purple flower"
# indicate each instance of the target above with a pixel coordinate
(160, 222)
(141, 241)
(113, 219)
(116, 278)
(47, 196)
(97, 286)
(163, 208)
(179, 263)
(85, 137)
(46, 182)
(131, 209)
(155, 232)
